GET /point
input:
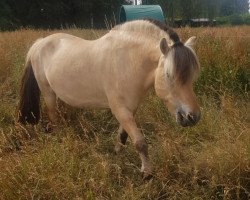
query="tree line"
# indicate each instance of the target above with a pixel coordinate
(98, 13)
(188, 9)
(58, 13)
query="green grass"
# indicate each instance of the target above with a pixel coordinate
(77, 160)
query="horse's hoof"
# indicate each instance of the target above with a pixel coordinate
(118, 148)
(147, 176)
(48, 128)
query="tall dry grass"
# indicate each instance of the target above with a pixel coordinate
(77, 161)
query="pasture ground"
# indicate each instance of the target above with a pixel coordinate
(77, 160)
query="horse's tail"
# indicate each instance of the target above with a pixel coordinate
(29, 105)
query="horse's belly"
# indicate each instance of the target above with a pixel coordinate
(84, 103)
(80, 94)
(85, 99)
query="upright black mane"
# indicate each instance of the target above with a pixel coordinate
(185, 61)
(163, 26)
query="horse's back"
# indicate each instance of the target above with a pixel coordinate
(51, 44)
(44, 49)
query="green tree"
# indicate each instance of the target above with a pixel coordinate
(88, 13)
(230, 7)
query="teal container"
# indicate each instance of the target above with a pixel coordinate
(133, 12)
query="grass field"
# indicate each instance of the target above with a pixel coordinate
(77, 160)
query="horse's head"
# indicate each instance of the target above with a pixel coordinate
(177, 69)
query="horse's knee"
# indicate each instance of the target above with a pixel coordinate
(142, 147)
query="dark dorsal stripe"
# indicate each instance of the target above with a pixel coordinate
(163, 26)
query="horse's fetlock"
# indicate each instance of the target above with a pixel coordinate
(142, 147)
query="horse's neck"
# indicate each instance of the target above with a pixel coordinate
(145, 49)
(160, 79)
(151, 64)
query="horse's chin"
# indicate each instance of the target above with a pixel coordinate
(184, 123)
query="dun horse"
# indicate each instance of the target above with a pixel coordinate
(114, 71)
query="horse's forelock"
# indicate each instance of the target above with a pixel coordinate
(185, 65)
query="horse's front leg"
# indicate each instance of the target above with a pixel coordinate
(127, 121)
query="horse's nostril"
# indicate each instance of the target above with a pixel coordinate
(191, 118)
(188, 119)
(180, 115)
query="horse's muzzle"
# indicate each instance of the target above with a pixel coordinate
(187, 119)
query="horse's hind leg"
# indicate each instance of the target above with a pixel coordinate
(122, 137)
(50, 101)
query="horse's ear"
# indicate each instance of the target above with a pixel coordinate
(191, 42)
(164, 46)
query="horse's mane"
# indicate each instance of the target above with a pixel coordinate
(185, 64)
(163, 26)
(150, 28)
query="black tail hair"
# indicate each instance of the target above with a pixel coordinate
(29, 105)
